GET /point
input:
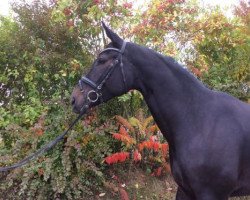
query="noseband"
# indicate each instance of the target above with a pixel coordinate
(95, 94)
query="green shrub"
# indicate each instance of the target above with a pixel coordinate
(71, 170)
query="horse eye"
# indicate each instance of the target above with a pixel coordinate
(101, 61)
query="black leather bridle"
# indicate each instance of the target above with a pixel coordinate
(95, 94)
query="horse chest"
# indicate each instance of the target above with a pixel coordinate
(178, 170)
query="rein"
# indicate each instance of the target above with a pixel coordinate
(46, 147)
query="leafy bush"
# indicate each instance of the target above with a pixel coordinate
(71, 170)
(37, 76)
(125, 105)
(142, 142)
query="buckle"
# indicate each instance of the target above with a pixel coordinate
(93, 96)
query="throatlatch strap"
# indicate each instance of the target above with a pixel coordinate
(123, 47)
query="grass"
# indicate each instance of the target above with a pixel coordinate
(140, 185)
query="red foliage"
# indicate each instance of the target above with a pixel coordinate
(123, 136)
(39, 132)
(125, 123)
(127, 5)
(40, 171)
(149, 145)
(167, 167)
(90, 118)
(164, 149)
(152, 129)
(38, 128)
(67, 11)
(137, 156)
(153, 138)
(175, 1)
(70, 23)
(156, 146)
(118, 136)
(158, 171)
(243, 9)
(123, 131)
(196, 71)
(97, 2)
(117, 157)
(136, 144)
(123, 194)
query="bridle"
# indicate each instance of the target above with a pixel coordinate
(95, 94)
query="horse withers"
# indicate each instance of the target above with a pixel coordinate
(208, 131)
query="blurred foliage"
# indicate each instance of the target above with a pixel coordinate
(44, 49)
(125, 105)
(225, 49)
(213, 46)
(72, 170)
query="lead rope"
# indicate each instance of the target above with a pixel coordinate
(46, 147)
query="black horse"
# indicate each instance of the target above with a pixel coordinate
(208, 131)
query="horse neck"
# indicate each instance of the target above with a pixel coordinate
(169, 90)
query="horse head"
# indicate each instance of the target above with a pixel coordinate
(111, 75)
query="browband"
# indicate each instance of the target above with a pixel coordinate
(110, 49)
(87, 81)
(121, 51)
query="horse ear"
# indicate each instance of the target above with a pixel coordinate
(115, 39)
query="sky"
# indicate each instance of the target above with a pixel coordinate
(5, 7)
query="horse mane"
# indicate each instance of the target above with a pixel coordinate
(174, 66)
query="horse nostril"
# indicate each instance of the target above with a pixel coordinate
(73, 100)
